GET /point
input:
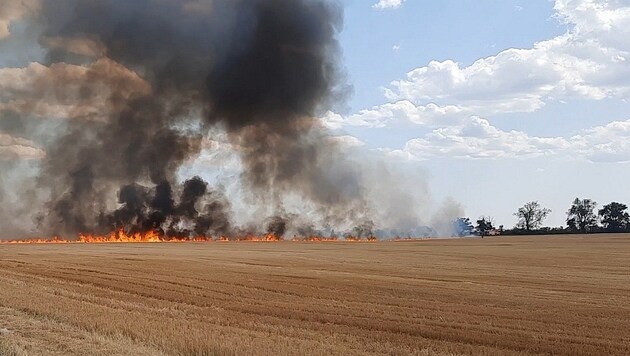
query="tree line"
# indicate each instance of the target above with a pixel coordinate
(582, 217)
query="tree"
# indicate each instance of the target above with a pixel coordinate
(531, 215)
(581, 216)
(614, 217)
(484, 226)
(463, 227)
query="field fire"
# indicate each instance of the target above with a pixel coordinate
(282, 177)
(157, 122)
(120, 236)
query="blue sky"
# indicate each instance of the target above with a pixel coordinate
(433, 30)
(489, 103)
(544, 122)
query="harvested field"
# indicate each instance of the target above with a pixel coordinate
(562, 295)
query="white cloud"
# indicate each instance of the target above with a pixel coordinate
(388, 4)
(400, 111)
(590, 61)
(608, 143)
(346, 141)
(476, 138)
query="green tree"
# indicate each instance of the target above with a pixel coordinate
(484, 226)
(581, 216)
(531, 215)
(614, 217)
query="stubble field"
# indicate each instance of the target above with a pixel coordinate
(544, 295)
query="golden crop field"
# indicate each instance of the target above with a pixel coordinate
(496, 296)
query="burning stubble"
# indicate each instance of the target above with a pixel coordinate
(131, 93)
(262, 69)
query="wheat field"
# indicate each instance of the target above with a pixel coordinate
(508, 296)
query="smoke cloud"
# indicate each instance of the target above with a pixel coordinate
(131, 92)
(12, 10)
(146, 80)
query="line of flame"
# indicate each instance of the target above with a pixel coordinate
(120, 236)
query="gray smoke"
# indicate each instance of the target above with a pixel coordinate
(262, 69)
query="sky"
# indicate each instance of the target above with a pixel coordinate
(498, 102)
(490, 104)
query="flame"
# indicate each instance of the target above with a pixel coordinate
(121, 236)
(54, 240)
(118, 236)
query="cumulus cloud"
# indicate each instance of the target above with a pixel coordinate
(346, 141)
(388, 4)
(400, 111)
(477, 138)
(12, 10)
(591, 61)
(608, 143)
(588, 62)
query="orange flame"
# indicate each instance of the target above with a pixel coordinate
(121, 236)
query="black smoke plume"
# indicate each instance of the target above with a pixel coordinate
(262, 69)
